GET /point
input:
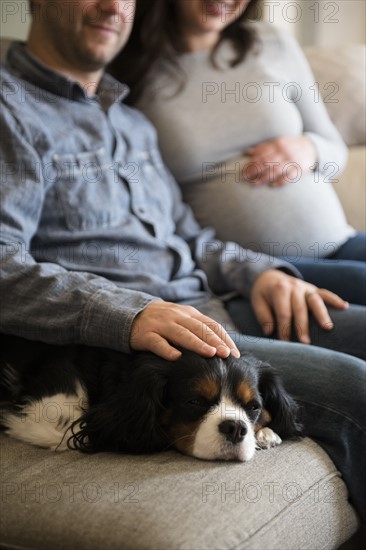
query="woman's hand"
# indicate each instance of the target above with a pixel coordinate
(280, 161)
(161, 325)
(284, 301)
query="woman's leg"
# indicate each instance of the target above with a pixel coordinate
(342, 272)
(347, 336)
(344, 277)
(353, 249)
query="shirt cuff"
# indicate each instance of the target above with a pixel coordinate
(108, 317)
(243, 280)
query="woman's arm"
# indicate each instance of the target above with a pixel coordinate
(320, 147)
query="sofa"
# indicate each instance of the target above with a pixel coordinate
(340, 74)
(289, 497)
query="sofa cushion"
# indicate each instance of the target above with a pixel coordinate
(341, 75)
(289, 497)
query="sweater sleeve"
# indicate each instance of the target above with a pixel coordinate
(43, 300)
(331, 150)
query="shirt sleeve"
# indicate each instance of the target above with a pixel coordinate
(228, 266)
(331, 150)
(42, 300)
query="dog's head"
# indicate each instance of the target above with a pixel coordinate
(207, 408)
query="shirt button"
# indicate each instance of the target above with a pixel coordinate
(141, 210)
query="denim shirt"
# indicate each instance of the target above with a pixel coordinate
(93, 227)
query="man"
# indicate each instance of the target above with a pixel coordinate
(98, 248)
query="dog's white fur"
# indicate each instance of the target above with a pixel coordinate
(211, 444)
(46, 423)
(267, 438)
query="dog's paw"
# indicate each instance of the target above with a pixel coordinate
(267, 438)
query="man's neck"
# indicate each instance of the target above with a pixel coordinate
(89, 81)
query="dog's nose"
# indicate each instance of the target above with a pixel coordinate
(233, 430)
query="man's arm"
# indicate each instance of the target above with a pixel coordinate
(43, 300)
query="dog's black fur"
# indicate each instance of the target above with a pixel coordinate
(133, 400)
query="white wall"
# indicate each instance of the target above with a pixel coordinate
(311, 21)
(321, 22)
(15, 18)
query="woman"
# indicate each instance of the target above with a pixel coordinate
(243, 131)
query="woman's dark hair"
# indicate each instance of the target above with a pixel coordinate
(155, 41)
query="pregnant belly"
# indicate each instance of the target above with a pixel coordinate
(304, 218)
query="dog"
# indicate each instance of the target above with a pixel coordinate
(95, 399)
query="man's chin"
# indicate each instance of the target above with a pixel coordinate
(94, 62)
(98, 53)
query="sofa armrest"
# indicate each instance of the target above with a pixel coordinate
(351, 188)
(340, 74)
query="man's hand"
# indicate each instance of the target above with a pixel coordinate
(284, 301)
(280, 161)
(161, 324)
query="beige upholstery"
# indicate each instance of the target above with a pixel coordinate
(341, 76)
(351, 187)
(290, 497)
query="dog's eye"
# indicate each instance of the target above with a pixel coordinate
(198, 402)
(253, 406)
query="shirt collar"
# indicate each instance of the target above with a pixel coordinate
(25, 65)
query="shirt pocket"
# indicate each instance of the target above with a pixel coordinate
(90, 191)
(158, 191)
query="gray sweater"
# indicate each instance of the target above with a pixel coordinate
(205, 129)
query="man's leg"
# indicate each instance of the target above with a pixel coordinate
(331, 388)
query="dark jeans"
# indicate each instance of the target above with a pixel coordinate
(343, 272)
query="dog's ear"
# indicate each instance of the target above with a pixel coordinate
(127, 418)
(282, 408)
